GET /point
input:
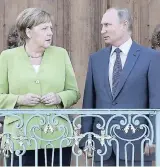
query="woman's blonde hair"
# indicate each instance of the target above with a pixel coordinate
(30, 18)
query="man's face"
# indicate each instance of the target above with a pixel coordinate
(112, 29)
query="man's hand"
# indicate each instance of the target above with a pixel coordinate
(88, 154)
(148, 150)
(51, 99)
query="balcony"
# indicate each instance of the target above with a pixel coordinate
(51, 129)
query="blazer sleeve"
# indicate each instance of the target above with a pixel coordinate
(7, 100)
(70, 95)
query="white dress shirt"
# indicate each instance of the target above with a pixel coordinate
(123, 55)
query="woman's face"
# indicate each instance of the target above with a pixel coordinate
(41, 35)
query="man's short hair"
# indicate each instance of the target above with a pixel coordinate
(124, 14)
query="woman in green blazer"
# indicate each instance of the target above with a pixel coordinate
(37, 76)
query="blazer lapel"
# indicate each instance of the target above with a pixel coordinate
(129, 64)
(106, 58)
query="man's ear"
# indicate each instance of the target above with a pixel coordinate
(126, 24)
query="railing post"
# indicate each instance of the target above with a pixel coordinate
(157, 138)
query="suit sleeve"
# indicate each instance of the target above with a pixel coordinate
(70, 95)
(88, 103)
(154, 87)
(88, 99)
(7, 101)
(154, 81)
(89, 91)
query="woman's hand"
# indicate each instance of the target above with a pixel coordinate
(51, 99)
(28, 100)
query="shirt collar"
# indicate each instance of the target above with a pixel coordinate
(125, 47)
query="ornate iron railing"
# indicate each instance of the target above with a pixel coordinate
(33, 129)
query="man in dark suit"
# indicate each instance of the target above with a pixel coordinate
(124, 75)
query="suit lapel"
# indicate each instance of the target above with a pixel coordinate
(129, 64)
(106, 58)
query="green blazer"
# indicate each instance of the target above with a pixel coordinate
(17, 77)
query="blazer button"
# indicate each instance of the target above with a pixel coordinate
(37, 81)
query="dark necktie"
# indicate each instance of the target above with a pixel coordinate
(117, 69)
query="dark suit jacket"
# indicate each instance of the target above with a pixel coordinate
(139, 88)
